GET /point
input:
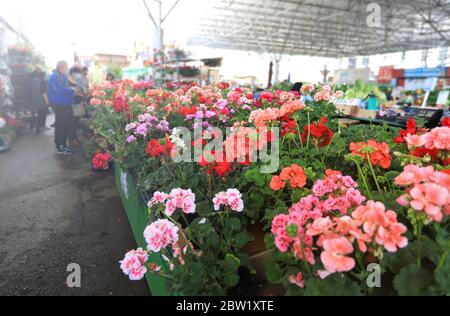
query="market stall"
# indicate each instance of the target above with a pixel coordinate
(6, 91)
(211, 224)
(17, 59)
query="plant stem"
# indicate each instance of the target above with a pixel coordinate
(184, 232)
(375, 179)
(298, 131)
(200, 192)
(442, 259)
(418, 230)
(185, 219)
(363, 177)
(167, 167)
(308, 268)
(210, 186)
(309, 129)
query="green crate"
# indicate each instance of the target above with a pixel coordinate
(138, 218)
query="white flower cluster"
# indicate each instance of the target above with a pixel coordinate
(2, 123)
(176, 140)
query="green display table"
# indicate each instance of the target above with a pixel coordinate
(138, 218)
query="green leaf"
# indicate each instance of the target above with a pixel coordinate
(249, 175)
(317, 164)
(427, 248)
(233, 224)
(274, 273)
(296, 195)
(257, 200)
(212, 240)
(336, 285)
(198, 271)
(231, 262)
(260, 179)
(203, 208)
(391, 175)
(231, 280)
(402, 258)
(242, 239)
(413, 281)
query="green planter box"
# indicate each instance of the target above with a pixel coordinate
(138, 218)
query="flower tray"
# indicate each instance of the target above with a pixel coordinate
(138, 219)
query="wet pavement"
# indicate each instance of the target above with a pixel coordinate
(55, 211)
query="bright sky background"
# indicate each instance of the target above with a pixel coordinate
(57, 28)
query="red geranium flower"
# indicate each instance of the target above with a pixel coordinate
(188, 111)
(422, 152)
(411, 129)
(267, 96)
(154, 148)
(100, 161)
(289, 127)
(120, 104)
(221, 168)
(319, 132)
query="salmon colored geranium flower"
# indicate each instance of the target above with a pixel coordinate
(295, 175)
(381, 156)
(427, 191)
(291, 107)
(391, 238)
(276, 184)
(378, 153)
(334, 257)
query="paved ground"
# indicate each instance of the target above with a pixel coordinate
(54, 211)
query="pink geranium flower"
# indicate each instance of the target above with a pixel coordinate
(414, 174)
(180, 199)
(158, 198)
(334, 257)
(319, 226)
(415, 141)
(231, 198)
(133, 264)
(302, 252)
(297, 280)
(427, 191)
(161, 234)
(438, 138)
(429, 198)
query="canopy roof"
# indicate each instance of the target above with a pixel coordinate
(326, 28)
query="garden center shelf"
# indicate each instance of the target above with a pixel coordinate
(364, 120)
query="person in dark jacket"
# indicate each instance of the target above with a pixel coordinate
(61, 97)
(74, 81)
(39, 99)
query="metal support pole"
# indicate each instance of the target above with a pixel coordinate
(277, 71)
